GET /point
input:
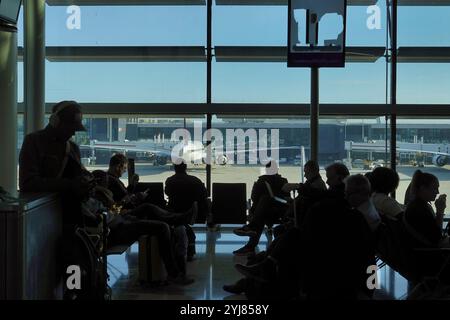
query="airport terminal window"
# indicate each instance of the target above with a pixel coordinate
(249, 25)
(259, 83)
(428, 137)
(267, 25)
(126, 25)
(293, 133)
(417, 83)
(127, 82)
(428, 63)
(366, 26)
(359, 143)
(82, 66)
(148, 140)
(423, 26)
(361, 82)
(356, 83)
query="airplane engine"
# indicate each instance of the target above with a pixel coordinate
(222, 160)
(440, 160)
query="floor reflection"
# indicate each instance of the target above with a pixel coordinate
(211, 269)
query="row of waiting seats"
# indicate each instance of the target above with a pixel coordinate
(415, 264)
(228, 205)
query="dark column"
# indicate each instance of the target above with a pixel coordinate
(8, 107)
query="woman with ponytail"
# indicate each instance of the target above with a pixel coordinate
(425, 224)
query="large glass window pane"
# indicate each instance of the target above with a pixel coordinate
(141, 54)
(125, 25)
(356, 83)
(420, 26)
(267, 25)
(423, 144)
(361, 144)
(259, 83)
(287, 136)
(127, 82)
(423, 83)
(359, 82)
(424, 73)
(148, 140)
(250, 25)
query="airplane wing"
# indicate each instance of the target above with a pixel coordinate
(126, 148)
(269, 149)
(423, 151)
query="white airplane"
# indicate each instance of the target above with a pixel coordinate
(440, 152)
(161, 151)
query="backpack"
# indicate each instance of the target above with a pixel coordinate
(84, 253)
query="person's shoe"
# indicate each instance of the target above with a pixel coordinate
(265, 271)
(244, 231)
(237, 288)
(181, 280)
(244, 251)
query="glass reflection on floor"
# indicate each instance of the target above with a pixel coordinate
(212, 267)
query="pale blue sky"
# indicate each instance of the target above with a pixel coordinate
(234, 82)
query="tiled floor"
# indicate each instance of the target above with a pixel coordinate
(211, 269)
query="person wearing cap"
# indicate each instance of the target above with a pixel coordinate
(50, 162)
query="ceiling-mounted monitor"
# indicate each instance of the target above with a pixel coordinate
(9, 10)
(316, 33)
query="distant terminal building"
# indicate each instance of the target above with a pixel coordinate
(292, 132)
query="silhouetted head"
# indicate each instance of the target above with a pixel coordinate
(271, 167)
(311, 169)
(67, 118)
(424, 186)
(336, 173)
(384, 180)
(118, 164)
(357, 190)
(180, 168)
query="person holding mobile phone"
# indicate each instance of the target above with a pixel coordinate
(423, 222)
(135, 202)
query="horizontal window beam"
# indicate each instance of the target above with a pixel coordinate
(242, 110)
(259, 54)
(227, 2)
(125, 2)
(189, 54)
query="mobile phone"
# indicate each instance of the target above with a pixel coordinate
(131, 169)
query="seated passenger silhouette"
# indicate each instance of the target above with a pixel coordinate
(136, 203)
(126, 229)
(265, 208)
(385, 181)
(183, 190)
(423, 224)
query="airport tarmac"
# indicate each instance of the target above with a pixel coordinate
(248, 174)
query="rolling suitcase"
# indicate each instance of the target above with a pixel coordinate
(151, 268)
